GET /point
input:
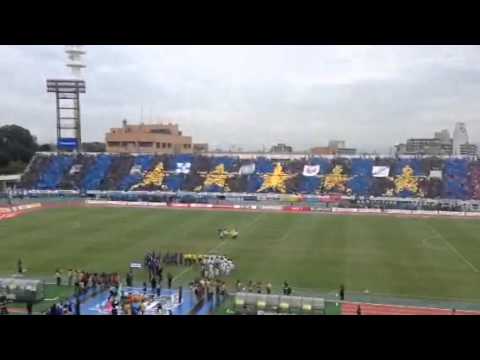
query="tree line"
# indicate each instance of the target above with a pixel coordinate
(18, 145)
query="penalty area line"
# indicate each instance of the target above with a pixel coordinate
(454, 249)
(473, 267)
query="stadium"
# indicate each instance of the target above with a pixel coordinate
(105, 233)
(315, 223)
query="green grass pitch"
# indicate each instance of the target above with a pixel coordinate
(416, 258)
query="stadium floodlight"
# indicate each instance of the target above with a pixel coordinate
(75, 62)
(67, 93)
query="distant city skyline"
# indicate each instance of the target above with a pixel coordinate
(372, 97)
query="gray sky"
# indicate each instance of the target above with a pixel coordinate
(250, 96)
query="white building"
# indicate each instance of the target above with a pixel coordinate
(468, 149)
(460, 137)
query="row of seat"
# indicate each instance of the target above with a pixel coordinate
(454, 179)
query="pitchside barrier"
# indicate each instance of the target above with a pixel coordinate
(300, 209)
(19, 208)
(279, 302)
(14, 211)
(6, 216)
(404, 212)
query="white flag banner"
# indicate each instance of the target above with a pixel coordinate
(247, 169)
(311, 170)
(380, 171)
(136, 170)
(75, 169)
(436, 174)
(183, 168)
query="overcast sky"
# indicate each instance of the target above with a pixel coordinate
(250, 96)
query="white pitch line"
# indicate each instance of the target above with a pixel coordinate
(381, 294)
(182, 273)
(256, 219)
(454, 250)
(426, 245)
(460, 255)
(218, 246)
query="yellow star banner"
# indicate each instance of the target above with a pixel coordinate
(154, 177)
(336, 180)
(276, 180)
(407, 181)
(218, 177)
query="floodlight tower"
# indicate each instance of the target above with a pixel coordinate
(75, 62)
(67, 91)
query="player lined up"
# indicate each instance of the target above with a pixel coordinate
(214, 266)
(223, 233)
